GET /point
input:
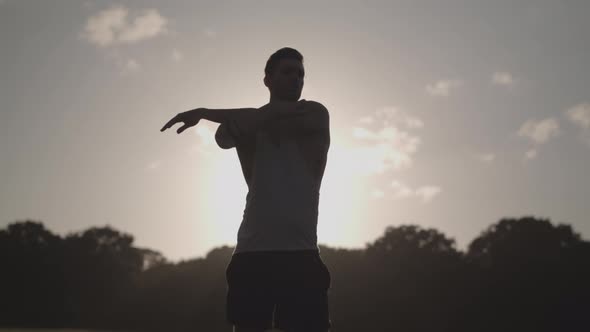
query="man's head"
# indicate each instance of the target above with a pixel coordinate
(283, 74)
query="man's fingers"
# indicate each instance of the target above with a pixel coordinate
(170, 123)
(181, 129)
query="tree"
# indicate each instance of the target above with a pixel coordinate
(411, 272)
(531, 275)
(30, 278)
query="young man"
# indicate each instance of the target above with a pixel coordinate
(276, 277)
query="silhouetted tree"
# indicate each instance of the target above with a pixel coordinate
(30, 279)
(519, 275)
(411, 273)
(151, 258)
(101, 266)
(532, 275)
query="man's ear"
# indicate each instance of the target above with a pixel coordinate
(266, 82)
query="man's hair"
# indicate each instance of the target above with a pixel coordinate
(283, 53)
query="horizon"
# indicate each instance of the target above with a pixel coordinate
(364, 247)
(447, 116)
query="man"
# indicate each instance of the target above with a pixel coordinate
(276, 277)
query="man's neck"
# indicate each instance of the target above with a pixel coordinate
(274, 99)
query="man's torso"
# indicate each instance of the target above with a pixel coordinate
(313, 149)
(283, 191)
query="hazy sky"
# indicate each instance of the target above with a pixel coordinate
(444, 114)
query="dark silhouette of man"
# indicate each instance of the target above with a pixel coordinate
(276, 277)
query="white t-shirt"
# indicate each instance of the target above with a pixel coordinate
(281, 210)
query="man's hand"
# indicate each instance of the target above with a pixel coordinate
(189, 118)
(281, 108)
(278, 110)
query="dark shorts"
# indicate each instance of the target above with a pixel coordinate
(278, 289)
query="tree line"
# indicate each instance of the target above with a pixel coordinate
(519, 274)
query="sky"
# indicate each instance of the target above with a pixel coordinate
(443, 114)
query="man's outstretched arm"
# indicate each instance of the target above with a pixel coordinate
(279, 117)
(192, 117)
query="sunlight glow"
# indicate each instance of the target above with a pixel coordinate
(341, 195)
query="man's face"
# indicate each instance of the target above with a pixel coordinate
(286, 82)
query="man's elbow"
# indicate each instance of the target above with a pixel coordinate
(322, 115)
(223, 138)
(225, 144)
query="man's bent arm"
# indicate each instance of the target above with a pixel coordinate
(316, 120)
(243, 122)
(224, 136)
(235, 124)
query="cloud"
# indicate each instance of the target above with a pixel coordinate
(391, 114)
(366, 119)
(486, 157)
(154, 165)
(377, 193)
(125, 64)
(387, 112)
(377, 159)
(503, 78)
(395, 115)
(531, 154)
(389, 147)
(426, 193)
(210, 33)
(443, 88)
(539, 131)
(100, 29)
(412, 122)
(580, 115)
(131, 65)
(401, 190)
(112, 26)
(177, 56)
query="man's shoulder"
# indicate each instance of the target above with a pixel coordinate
(320, 115)
(316, 105)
